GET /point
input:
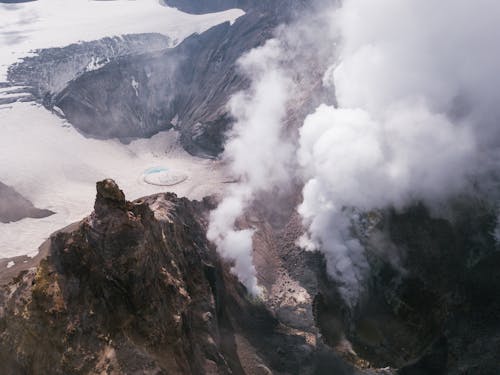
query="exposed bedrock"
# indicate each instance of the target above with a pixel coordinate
(186, 87)
(50, 70)
(432, 296)
(135, 288)
(135, 86)
(14, 207)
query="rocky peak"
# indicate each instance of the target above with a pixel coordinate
(108, 191)
(137, 288)
(109, 197)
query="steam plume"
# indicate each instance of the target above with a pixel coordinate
(256, 154)
(416, 84)
(416, 118)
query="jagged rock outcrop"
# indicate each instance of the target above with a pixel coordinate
(50, 70)
(431, 304)
(186, 87)
(135, 288)
(431, 296)
(209, 6)
(14, 207)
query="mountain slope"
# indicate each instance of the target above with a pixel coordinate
(136, 288)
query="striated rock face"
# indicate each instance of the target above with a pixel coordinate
(14, 207)
(186, 87)
(134, 86)
(136, 289)
(50, 70)
(431, 301)
(432, 298)
(208, 6)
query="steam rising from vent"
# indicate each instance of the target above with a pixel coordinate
(417, 91)
(416, 84)
(256, 153)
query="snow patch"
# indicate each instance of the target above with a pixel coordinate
(52, 23)
(58, 111)
(96, 63)
(55, 167)
(135, 86)
(175, 120)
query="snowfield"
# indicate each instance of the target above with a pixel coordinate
(46, 160)
(56, 23)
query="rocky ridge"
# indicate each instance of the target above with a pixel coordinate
(136, 288)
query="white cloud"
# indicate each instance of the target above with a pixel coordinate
(416, 84)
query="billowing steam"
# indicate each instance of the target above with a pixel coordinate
(416, 84)
(417, 118)
(256, 153)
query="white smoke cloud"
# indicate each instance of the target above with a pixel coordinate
(416, 118)
(416, 85)
(256, 154)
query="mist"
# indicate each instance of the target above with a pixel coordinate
(258, 162)
(414, 119)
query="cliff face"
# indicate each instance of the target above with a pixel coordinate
(125, 290)
(186, 87)
(432, 294)
(136, 288)
(135, 86)
(49, 70)
(431, 301)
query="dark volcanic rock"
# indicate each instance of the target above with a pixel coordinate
(209, 6)
(431, 309)
(186, 87)
(136, 289)
(51, 69)
(125, 88)
(14, 207)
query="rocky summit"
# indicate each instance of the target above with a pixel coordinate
(135, 288)
(295, 187)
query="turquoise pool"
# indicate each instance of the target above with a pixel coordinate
(155, 170)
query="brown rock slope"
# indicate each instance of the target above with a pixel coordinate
(136, 288)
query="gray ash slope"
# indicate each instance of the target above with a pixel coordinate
(49, 70)
(137, 93)
(14, 207)
(435, 313)
(187, 87)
